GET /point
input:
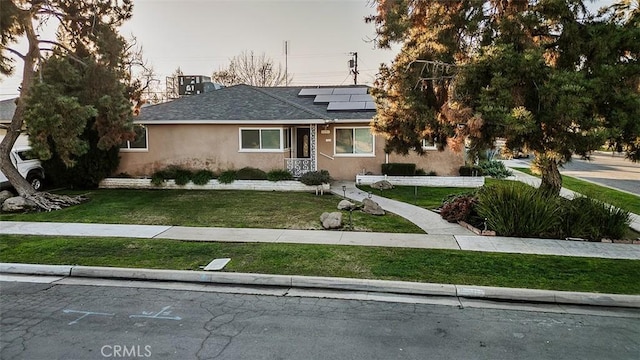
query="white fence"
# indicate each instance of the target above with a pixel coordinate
(434, 181)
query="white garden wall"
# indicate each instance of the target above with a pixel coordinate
(261, 185)
(434, 181)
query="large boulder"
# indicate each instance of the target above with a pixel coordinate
(331, 220)
(372, 207)
(4, 195)
(18, 204)
(346, 205)
(382, 185)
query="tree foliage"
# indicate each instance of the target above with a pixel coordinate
(251, 69)
(73, 84)
(545, 75)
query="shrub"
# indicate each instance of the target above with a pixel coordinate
(495, 169)
(420, 172)
(399, 169)
(157, 179)
(202, 177)
(279, 175)
(228, 176)
(516, 209)
(182, 176)
(250, 173)
(459, 208)
(313, 178)
(593, 220)
(470, 170)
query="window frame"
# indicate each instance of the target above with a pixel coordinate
(128, 147)
(353, 134)
(281, 134)
(429, 145)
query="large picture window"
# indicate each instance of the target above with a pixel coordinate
(354, 141)
(140, 140)
(261, 139)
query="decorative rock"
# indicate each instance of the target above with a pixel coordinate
(18, 204)
(382, 185)
(4, 195)
(372, 207)
(346, 205)
(331, 220)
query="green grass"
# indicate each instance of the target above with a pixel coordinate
(235, 209)
(616, 198)
(423, 196)
(420, 265)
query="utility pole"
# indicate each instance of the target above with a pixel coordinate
(353, 67)
(286, 62)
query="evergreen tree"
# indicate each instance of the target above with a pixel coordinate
(87, 47)
(533, 72)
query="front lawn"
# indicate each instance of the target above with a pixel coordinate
(419, 265)
(219, 208)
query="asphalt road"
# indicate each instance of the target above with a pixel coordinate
(603, 168)
(47, 321)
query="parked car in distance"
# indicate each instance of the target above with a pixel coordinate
(29, 167)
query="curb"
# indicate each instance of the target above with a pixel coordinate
(310, 282)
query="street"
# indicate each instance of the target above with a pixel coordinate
(606, 169)
(135, 320)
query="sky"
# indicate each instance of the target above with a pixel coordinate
(200, 36)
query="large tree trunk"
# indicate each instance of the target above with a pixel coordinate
(21, 185)
(44, 201)
(551, 178)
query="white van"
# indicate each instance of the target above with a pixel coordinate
(29, 167)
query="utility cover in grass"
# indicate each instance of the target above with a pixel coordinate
(217, 264)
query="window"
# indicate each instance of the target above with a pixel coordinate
(354, 141)
(140, 140)
(429, 144)
(262, 139)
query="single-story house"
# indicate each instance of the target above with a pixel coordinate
(297, 128)
(7, 108)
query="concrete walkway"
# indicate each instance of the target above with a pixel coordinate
(427, 220)
(424, 241)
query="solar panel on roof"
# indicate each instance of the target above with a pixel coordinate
(366, 97)
(315, 91)
(350, 91)
(346, 106)
(331, 98)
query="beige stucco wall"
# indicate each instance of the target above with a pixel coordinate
(197, 147)
(346, 167)
(443, 163)
(216, 147)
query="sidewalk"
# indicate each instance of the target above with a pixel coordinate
(423, 241)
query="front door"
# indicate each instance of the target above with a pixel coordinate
(303, 143)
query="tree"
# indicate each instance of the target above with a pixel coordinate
(248, 68)
(526, 71)
(86, 37)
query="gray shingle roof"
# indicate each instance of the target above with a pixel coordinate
(7, 108)
(246, 103)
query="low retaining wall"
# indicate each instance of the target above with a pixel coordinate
(434, 181)
(260, 185)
